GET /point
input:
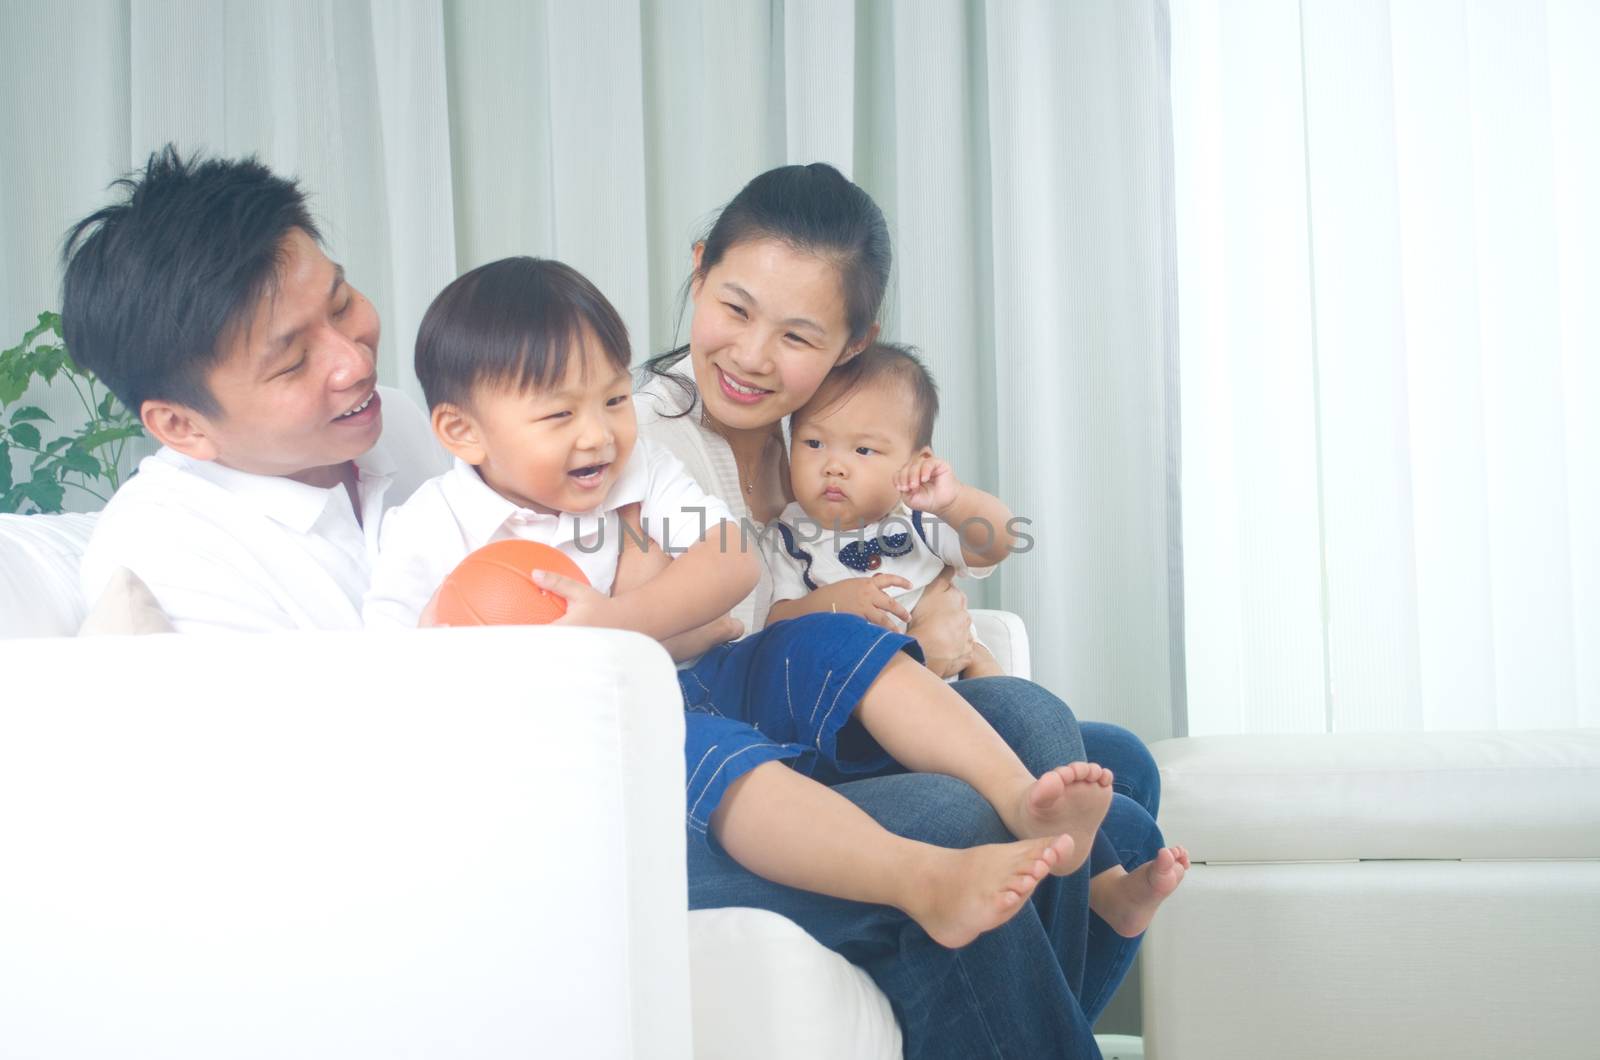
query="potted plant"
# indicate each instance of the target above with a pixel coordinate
(87, 456)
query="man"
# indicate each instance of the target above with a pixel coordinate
(204, 301)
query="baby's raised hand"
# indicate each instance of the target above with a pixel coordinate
(928, 484)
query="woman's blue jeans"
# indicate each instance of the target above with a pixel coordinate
(1032, 987)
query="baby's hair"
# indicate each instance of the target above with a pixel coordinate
(878, 363)
(512, 322)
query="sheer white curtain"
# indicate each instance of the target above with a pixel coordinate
(1389, 249)
(1020, 150)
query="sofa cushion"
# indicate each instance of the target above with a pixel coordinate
(126, 606)
(1383, 795)
(759, 982)
(39, 556)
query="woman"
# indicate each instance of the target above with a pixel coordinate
(787, 284)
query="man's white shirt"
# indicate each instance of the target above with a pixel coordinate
(457, 513)
(225, 550)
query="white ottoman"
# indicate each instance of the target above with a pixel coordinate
(1379, 895)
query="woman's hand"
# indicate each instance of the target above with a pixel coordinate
(942, 626)
(865, 597)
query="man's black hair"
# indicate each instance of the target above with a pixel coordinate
(156, 284)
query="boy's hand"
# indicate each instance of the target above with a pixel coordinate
(864, 597)
(928, 484)
(586, 606)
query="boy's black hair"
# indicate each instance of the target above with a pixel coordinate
(156, 283)
(880, 362)
(512, 322)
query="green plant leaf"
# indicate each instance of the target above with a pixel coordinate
(25, 435)
(44, 492)
(13, 382)
(106, 435)
(45, 453)
(48, 323)
(48, 361)
(107, 405)
(81, 462)
(30, 412)
(5, 468)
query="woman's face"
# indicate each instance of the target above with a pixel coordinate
(769, 324)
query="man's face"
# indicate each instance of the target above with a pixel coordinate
(296, 383)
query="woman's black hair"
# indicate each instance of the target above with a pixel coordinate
(513, 322)
(814, 209)
(156, 282)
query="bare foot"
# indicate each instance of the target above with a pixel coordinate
(1128, 900)
(963, 893)
(1071, 799)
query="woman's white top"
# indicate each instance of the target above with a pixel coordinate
(709, 459)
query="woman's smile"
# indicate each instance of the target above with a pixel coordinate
(738, 390)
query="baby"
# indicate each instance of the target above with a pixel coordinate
(525, 368)
(878, 517)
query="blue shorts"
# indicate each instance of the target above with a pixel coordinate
(783, 693)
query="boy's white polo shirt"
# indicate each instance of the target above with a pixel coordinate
(226, 550)
(458, 513)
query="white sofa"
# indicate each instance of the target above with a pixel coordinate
(359, 845)
(1379, 895)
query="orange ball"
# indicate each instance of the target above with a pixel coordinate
(493, 587)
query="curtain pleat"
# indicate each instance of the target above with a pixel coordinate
(1387, 252)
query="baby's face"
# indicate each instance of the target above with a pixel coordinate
(844, 455)
(560, 448)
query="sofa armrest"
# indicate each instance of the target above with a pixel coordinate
(343, 844)
(1007, 639)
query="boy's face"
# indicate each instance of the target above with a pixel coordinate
(289, 381)
(846, 450)
(555, 449)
